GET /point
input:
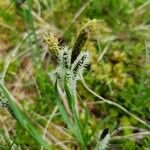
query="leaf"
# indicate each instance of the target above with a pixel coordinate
(62, 110)
(71, 101)
(22, 118)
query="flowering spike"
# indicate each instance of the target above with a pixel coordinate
(66, 70)
(53, 47)
(80, 63)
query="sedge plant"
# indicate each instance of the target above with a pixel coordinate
(70, 65)
(65, 77)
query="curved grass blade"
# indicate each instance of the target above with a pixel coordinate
(22, 118)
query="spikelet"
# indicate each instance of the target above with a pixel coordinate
(80, 63)
(102, 143)
(56, 74)
(64, 57)
(53, 47)
(82, 38)
(4, 103)
(79, 43)
(72, 83)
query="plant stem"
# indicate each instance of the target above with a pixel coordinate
(115, 104)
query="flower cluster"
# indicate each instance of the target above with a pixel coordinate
(68, 71)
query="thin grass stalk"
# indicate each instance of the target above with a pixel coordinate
(79, 128)
(22, 118)
(115, 104)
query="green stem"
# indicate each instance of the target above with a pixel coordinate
(115, 104)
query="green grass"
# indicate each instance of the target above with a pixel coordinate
(116, 33)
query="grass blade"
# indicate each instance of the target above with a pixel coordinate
(75, 117)
(22, 118)
(62, 110)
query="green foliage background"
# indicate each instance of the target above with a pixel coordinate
(119, 44)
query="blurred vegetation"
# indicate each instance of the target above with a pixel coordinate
(118, 40)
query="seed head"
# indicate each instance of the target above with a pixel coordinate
(52, 43)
